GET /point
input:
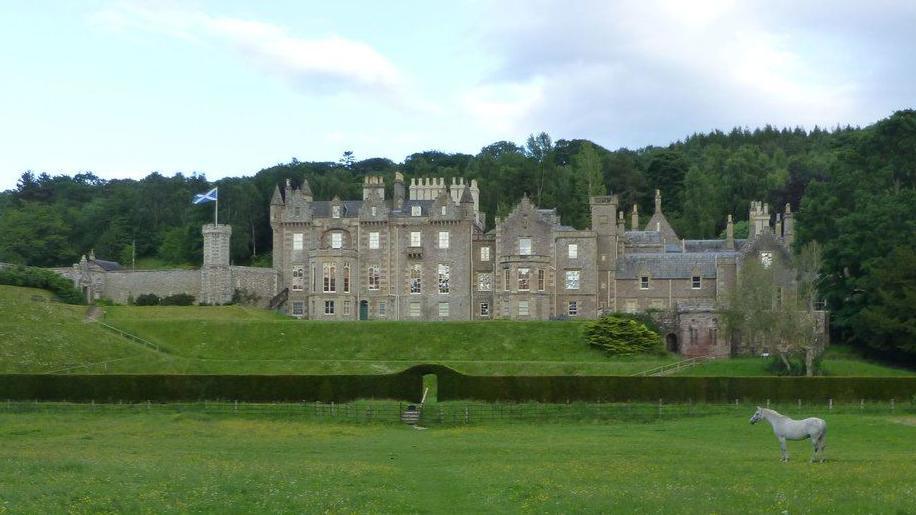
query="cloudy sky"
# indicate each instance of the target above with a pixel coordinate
(124, 88)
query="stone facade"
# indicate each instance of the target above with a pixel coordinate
(424, 255)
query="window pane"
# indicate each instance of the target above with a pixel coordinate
(415, 239)
(415, 210)
(541, 280)
(524, 246)
(523, 279)
(573, 251)
(336, 240)
(573, 308)
(415, 277)
(484, 282)
(373, 240)
(523, 308)
(443, 309)
(443, 239)
(297, 241)
(443, 272)
(572, 279)
(484, 253)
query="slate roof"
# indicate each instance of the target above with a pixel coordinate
(322, 208)
(106, 265)
(669, 266)
(644, 237)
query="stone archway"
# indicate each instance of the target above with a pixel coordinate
(671, 343)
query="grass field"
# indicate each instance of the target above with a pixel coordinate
(75, 460)
(41, 336)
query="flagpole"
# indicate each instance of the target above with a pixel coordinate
(216, 208)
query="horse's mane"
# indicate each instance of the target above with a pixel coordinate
(772, 412)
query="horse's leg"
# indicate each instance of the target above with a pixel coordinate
(782, 447)
(814, 446)
(821, 444)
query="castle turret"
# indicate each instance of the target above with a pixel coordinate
(215, 284)
(758, 219)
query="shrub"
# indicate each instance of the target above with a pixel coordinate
(178, 299)
(32, 277)
(617, 335)
(147, 299)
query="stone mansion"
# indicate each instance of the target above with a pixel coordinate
(424, 255)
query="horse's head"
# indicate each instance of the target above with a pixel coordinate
(757, 415)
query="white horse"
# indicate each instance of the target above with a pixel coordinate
(788, 429)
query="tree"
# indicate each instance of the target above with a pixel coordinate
(588, 166)
(619, 334)
(347, 159)
(773, 309)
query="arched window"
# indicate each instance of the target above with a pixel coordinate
(346, 278)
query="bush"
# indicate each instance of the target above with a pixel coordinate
(178, 299)
(32, 277)
(147, 299)
(616, 334)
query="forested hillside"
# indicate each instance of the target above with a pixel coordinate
(853, 190)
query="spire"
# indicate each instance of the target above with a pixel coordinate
(466, 196)
(306, 190)
(277, 199)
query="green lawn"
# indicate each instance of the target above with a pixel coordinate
(165, 460)
(37, 335)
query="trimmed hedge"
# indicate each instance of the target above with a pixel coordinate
(251, 388)
(407, 385)
(672, 389)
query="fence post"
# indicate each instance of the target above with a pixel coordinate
(467, 415)
(830, 403)
(659, 406)
(736, 403)
(892, 404)
(861, 403)
(799, 403)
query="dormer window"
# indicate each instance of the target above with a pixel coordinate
(415, 211)
(335, 211)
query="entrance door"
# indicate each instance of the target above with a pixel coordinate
(671, 343)
(364, 310)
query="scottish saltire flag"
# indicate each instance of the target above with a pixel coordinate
(209, 196)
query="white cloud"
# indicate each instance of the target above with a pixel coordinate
(322, 65)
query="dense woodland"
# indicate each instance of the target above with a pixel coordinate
(854, 191)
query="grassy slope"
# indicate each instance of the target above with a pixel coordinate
(216, 343)
(77, 461)
(37, 335)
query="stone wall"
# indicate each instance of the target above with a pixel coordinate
(120, 285)
(259, 282)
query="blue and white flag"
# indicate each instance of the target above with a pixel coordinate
(209, 196)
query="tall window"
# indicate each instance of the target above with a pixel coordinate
(298, 308)
(444, 273)
(414, 310)
(335, 211)
(506, 276)
(298, 282)
(523, 308)
(695, 282)
(314, 288)
(573, 308)
(346, 310)
(415, 238)
(523, 279)
(416, 273)
(329, 307)
(374, 277)
(373, 240)
(443, 309)
(541, 280)
(524, 246)
(484, 253)
(443, 239)
(347, 278)
(336, 240)
(381, 308)
(297, 241)
(572, 250)
(484, 309)
(644, 282)
(330, 278)
(572, 279)
(484, 281)
(415, 211)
